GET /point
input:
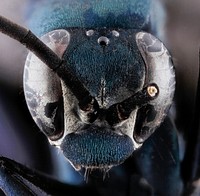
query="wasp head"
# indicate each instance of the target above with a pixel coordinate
(110, 93)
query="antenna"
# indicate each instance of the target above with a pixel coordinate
(45, 54)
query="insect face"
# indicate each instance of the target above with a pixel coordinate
(130, 79)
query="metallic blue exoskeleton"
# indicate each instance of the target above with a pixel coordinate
(53, 14)
(113, 90)
(104, 47)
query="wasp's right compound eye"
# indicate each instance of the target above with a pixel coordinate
(160, 81)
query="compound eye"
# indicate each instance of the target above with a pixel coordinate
(160, 71)
(42, 87)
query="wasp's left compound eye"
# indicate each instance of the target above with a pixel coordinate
(42, 87)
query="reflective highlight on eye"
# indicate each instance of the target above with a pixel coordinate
(152, 90)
